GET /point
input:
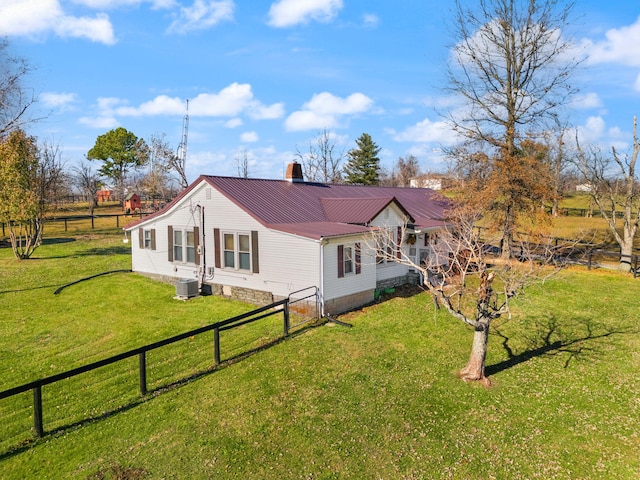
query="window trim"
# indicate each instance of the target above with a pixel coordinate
(353, 258)
(251, 255)
(182, 251)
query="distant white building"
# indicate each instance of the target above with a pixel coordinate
(584, 187)
(434, 183)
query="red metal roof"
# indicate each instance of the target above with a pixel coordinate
(279, 202)
(317, 210)
(355, 210)
(319, 230)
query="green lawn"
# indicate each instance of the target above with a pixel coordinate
(379, 400)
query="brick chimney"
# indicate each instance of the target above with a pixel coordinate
(294, 173)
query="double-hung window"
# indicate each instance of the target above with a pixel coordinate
(183, 245)
(147, 239)
(190, 247)
(237, 251)
(177, 246)
(229, 250)
(349, 261)
(244, 252)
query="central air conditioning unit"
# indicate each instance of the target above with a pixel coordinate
(187, 288)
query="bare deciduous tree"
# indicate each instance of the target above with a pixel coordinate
(53, 179)
(614, 189)
(157, 181)
(512, 66)
(15, 99)
(466, 279)
(323, 161)
(406, 169)
(88, 181)
(242, 163)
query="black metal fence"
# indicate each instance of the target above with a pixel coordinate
(276, 308)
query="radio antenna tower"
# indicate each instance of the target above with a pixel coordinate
(181, 153)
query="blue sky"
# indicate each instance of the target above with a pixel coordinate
(264, 78)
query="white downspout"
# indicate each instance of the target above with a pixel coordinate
(321, 282)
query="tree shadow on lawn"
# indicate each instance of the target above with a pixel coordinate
(550, 338)
(94, 252)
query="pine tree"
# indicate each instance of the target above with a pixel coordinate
(363, 166)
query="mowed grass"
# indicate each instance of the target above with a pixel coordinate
(379, 400)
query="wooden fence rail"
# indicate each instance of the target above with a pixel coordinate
(88, 220)
(275, 308)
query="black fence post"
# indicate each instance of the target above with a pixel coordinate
(92, 225)
(590, 260)
(65, 224)
(216, 345)
(142, 361)
(285, 311)
(37, 411)
(117, 221)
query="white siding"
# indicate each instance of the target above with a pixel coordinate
(350, 284)
(287, 263)
(391, 217)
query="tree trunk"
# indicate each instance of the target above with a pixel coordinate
(626, 252)
(507, 235)
(474, 370)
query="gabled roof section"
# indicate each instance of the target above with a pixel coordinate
(356, 210)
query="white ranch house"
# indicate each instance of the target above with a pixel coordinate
(260, 240)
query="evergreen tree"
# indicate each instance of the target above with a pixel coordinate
(363, 166)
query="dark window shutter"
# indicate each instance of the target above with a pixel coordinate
(255, 265)
(399, 252)
(141, 238)
(358, 264)
(170, 234)
(196, 245)
(216, 247)
(340, 261)
(426, 239)
(153, 239)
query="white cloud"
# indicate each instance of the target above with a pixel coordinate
(636, 86)
(37, 17)
(58, 100)
(112, 4)
(587, 100)
(427, 131)
(620, 46)
(596, 133)
(161, 105)
(105, 119)
(103, 123)
(267, 112)
(97, 29)
(324, 111)
(370, 20)
(288, 13)
(232, 101)
(249, 137)
(202, 14)
(593, 129)
(233, 123)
